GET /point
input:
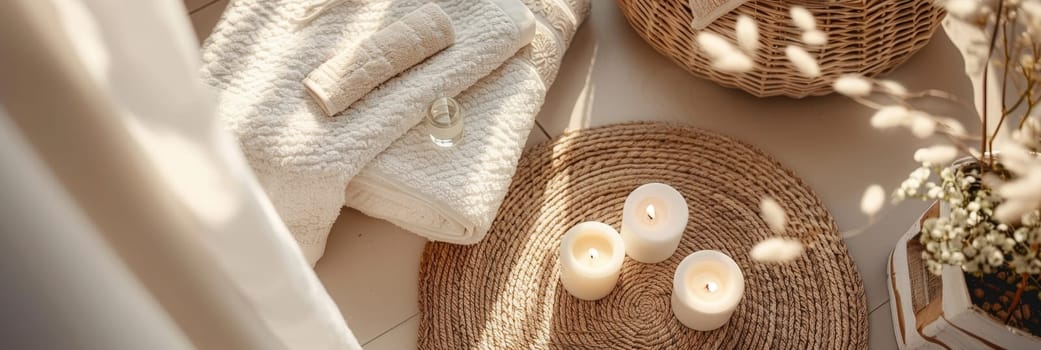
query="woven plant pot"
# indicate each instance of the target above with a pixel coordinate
(869, 37)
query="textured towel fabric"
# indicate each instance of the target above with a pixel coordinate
(256, 58)
(355, 71)
(453, 194)
(707, 11)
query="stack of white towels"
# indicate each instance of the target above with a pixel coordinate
(318, 148)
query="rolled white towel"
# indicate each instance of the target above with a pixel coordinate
(355, 71)
(453, 194)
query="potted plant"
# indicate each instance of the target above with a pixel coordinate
(968, 274)
(981, 240)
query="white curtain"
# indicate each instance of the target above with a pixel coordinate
(113, 152)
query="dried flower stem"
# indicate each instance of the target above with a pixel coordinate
(868, 103)
(1004, 81)
(962, 147)
(872, 220)
(1024, 277)
(933, 93)
(1025, 96)
(986, 72)
(1029, 92)
(1017, 297)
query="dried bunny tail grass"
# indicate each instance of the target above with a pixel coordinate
(803, 62)
(1023, 193)
(922, 125)
(1029, 133)
(893, 87)
(852, 85)
(939, 155)
(725, 57)
(714, 45)
(1012, 211)
(776, 250)
(772, 214)
(747, 34)
(873, 199)
(890, 117)
(734, 62)
(952, 126)
(815, 38)
(803, 18)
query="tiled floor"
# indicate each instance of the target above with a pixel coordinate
(204, 15)
(610, 75)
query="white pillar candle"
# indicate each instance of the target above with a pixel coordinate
(706, 289)
(591, 256)
(653, 220)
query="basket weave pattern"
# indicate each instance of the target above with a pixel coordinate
(869, 37)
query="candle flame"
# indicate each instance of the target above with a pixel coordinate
(593, 254)
(711, 287)
(650, 212)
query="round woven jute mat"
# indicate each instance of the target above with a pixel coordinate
(504, 292)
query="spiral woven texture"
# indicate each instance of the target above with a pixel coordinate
(868, 37)
(504, 293)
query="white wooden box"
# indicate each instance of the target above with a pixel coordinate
(935, 312)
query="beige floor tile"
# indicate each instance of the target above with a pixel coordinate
(366, 317)
(871, 249)
(401, 337)
(880, 329)
(192, 5)
(370, 268)
(535, 137)
(203, 20)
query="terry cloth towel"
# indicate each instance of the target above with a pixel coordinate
(355, 71)
(707, 11)
(453, 194)
(257, 56)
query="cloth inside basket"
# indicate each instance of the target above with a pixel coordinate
(707, 11)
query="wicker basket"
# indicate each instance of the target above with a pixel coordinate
(869, 37)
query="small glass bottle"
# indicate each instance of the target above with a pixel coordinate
(445, 121)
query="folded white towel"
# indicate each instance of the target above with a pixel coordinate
(453, 194)
(355, 71)
(707, 11)
(257, 56)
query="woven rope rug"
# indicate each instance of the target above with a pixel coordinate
(504, 293)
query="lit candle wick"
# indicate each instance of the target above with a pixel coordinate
(593, 254)
(650, 212)
(711, 287)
